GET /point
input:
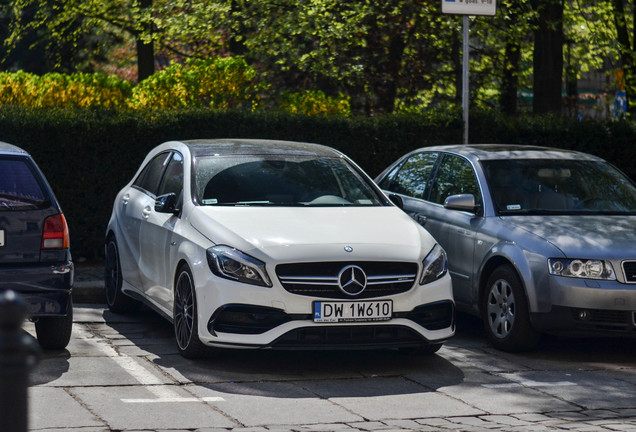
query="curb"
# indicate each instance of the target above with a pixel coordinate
(89, 292)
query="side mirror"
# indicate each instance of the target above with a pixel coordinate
(462, 202)
(167, 204)
(397, 200)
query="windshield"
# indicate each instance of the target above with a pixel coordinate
(548, 186)
(281, 181)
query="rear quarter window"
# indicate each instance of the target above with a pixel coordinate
(20, 185)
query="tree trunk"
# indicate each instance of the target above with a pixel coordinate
(456, 59)
(145, 60)
(145, 50)
(510, 78)
(627, 56)
(508, 99)
(548, 57)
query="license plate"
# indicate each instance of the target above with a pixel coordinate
(1, 237)
(333, 312)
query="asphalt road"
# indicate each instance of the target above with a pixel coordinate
(123, 373)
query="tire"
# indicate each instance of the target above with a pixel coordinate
(54, 332)
(423, 350)
(117, 301)
(185, 316)
(505, 312)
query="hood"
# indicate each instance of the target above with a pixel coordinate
(598, 236)
(315, 233)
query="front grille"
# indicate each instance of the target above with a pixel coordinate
(321, 279)
(629, 269)
(349, 337)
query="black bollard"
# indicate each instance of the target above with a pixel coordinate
(18, 355)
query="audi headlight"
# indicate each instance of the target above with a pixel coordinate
(434, 265)
(230, 263)
(582, 268)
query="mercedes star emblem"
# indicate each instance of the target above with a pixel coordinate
(352, 280)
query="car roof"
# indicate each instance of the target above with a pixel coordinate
(510, 151)
(6, 148)
(237, 147)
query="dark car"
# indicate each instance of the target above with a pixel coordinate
(35, 258)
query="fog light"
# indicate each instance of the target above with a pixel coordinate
(585, 315)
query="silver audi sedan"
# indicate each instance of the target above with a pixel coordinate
(539, 240)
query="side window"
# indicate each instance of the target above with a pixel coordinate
(454, 176)
(414, 176)
(172, 181)
(149, 178)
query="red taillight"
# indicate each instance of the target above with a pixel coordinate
(55, 235)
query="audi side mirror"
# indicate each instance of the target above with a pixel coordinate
(462, 202)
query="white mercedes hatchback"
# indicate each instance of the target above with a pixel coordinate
(271, 244)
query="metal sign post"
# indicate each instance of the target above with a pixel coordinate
(465, 76)
(466, 8)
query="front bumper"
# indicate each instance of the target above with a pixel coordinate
(589, 308)
(242, 316)
(586, 322)
(46, 288)
(400, 332)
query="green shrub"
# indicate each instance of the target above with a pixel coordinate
(313, 102)
(78, 90)
(88, 155)
(220, 83)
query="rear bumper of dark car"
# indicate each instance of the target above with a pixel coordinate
(46, 288)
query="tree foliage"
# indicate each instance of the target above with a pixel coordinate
(403, 55)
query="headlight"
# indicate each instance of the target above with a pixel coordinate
(434, 265)
(581, 268)
(233, 264)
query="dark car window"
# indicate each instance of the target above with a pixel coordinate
(149, 178)
(172, 181)
(413, 177)
(454, 176)
(540, 186)
(20, 188)
(281, 181)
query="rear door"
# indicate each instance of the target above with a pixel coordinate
(24, 205)
(424, 181)
(412, 181)
(455, 230)
(137, 203)
(156, 238)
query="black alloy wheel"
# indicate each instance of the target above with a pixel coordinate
(117, 301)
(185, 316)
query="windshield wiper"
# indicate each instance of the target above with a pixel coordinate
(532, 212)
(246, 203)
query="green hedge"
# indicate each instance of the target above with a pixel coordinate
(88, 155)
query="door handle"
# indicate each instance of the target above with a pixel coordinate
(125, 199)
(421, 219)
(146, 212)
